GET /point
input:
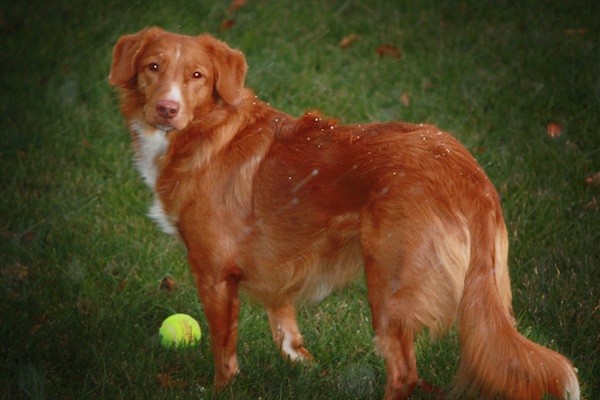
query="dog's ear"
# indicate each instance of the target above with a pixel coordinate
(230, 69)
(126, 55)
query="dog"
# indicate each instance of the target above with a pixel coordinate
(288, 209)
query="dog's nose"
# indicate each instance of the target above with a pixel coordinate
(167, 108)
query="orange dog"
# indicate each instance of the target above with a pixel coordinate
(290, 208)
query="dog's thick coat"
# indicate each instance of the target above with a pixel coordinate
(290, 208)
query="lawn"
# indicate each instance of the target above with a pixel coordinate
(81, 264)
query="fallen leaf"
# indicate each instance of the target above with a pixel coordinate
(553, 129)
(576, 31)
(235, 4)
(227, 24)
(348, 40)
(405, 98)
(166, 381)
(389, 50)
(593, 180)
(17, 272)
(28, 237)
(167, 283)
(426, 84)
(592, 205)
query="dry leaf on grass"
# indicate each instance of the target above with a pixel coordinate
(226, 24)
(15, 273)
(235, 4)
(405, 98)
(593, 180)
(348, 40)
(576, 31)
(389, 50)
(592, 205)
(39, 323)
(167, 283)
(553, 129)
(166, 381)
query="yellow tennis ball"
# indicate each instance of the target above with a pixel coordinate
(179, 330)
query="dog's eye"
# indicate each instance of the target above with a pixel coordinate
(153, 67)
(197, 75)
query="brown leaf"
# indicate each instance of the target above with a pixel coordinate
(553, 129)
(592, 205)
(576, 31)
(235, 4)
(39, 323)
(389, 50)
(28, 237)
(405, 98)
(427, 83)
(17, 273)
(348, 40)
(169, 284)
(166, 381)
(593, 180)
(227, 24)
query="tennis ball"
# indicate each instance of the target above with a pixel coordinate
(179, 330)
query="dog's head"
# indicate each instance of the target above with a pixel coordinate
(173, 79)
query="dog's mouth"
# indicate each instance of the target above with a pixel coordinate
(169, 124)
(165, 127)
(164, 124)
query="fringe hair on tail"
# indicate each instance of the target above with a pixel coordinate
(496, 360)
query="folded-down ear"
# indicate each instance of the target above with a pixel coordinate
(126, 56)
(230, 69)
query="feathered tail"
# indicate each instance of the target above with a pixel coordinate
(496, 360)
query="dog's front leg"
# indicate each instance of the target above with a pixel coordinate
(286, 334)
(218, 291)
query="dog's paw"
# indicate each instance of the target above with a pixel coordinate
(295, 352)
(224, 376)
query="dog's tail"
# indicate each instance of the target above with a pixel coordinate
(496, 360)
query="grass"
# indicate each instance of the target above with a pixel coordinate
(80, 264)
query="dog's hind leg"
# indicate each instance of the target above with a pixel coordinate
(287, 336)
(414, 267)
(393, 338)
(397, 348)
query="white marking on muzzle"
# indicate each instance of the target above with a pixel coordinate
(175, 94)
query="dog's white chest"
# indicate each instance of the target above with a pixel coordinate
(152, 145)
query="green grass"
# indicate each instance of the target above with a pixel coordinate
(80, 263)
